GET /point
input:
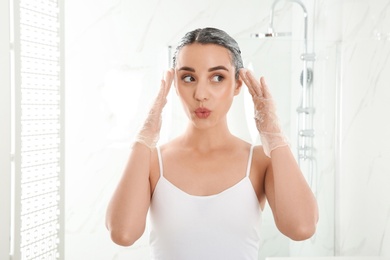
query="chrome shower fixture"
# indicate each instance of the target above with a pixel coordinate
(305, 110)
(273, 34)
(271, 31)
(309, 77)
(271, 19)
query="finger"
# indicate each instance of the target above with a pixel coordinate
(243, 76)
(168, 78)
(161, 92)
(165, 86)
(254, 84)
(265, 90)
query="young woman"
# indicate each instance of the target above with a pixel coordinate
(206, 188)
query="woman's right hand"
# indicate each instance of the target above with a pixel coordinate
(129, 205)
(150, 131)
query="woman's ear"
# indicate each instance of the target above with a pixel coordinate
(238, 86)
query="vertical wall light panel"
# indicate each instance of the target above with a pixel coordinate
(39, 157)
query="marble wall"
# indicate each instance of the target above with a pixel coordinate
(116, 53)
(364, 170)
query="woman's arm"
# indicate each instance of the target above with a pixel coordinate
(292, 202)
(127, 210)
(290, 198)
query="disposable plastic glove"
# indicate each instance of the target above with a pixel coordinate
(149, 133)
(267, 121)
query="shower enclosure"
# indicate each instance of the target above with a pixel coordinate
(284, 54)
(305, 109)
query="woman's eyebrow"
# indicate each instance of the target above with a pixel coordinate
(187, 68)
(218, 68)
(210, 69)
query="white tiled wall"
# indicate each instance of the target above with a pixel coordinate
(116, 53)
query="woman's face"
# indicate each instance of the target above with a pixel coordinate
(205, 82)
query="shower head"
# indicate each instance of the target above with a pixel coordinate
(271, 34)
(309, 77)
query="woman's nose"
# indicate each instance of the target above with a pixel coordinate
(201, 93)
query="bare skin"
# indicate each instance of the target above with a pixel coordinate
(207, 159)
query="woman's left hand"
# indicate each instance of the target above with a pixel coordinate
(267, 121)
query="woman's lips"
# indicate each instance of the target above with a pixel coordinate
(202, 112)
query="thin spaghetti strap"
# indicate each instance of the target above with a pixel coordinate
(160, 161)
(248, 167)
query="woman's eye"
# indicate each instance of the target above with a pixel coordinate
(217, 78)
(188, 79)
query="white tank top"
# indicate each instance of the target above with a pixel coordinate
(220, 227)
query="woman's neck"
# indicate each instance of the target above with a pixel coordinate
(207, 139)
